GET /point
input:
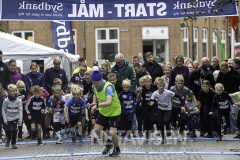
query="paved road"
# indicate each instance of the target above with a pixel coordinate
(197, 149)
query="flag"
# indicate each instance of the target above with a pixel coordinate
(221, 45)
(234, 20)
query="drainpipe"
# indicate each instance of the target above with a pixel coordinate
(83, 40)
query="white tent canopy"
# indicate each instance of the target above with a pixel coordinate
(20, 49)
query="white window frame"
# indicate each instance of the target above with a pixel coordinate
(23, 33)
(214, 41)
(75, 40)
(195, 40)
(205, 39)
(107, 40)
(186, 39)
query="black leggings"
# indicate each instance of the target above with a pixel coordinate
(2, 126)
(218, 114)
(12, 129)
(164, 117)
(149, 119)
(174, 117)
(58, 126)
(139, 119)
(127, 120)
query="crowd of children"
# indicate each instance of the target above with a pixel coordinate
(152, 103)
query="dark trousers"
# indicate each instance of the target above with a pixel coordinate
(174, 118)
(26, 120)
(192, 122)
(164, 118)
(149, 119)
(2, 126)
(12, 130)
(139, 119)
(218, 114)
(207, 120)
(202, 119)
(127, 120)
(43, 125)
(238, 120)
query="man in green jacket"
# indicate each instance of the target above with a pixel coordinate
(124, 70)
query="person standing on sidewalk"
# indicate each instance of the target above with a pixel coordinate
(106, 99)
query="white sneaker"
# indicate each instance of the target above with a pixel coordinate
(180, 137)
(59, 141)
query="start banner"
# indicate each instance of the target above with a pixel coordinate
(84, 10)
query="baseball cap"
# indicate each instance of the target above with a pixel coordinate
(206, 68)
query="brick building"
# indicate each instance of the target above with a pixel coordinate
(96, 40)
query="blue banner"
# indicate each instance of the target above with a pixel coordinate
(62, 36)
(77, 10)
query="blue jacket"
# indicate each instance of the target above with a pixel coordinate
(31, 80)
(128, 101)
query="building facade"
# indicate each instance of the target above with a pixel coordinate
(99, 40)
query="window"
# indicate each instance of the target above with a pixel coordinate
(204, 43)
(185, 42)
(223, 40)
(214, 44)
(74, 34)
(195, 44)
(107, 43)
(28, 35)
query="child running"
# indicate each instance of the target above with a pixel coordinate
(57, 103)
(163, 99)
(221, 107)
(35, 109)
(73, 113)
(127, 99)
(12, 114)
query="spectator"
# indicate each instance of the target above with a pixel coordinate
(190, 68)
(178, 69)
(167, 70)
(153, 68)
(205, 60)
(106, 69)
(55, 72)
(140, 72)
(34, 77)
(235, 62)
(135, 59)
(81, 61)
(78, 78)
(187, 61)
(14, 76)
(215, 62)
(4, 73)
(18, 70)
(195, 64)
(124, 70)
(198, 76)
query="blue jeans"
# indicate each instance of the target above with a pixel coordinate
(192, 122)
(233, 122)
(134, 123)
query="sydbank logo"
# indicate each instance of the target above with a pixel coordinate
(197, 4)
(42, 6)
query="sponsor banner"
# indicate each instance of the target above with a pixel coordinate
(62, 36)
(77, 10)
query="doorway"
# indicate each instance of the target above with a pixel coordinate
(158, 48)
